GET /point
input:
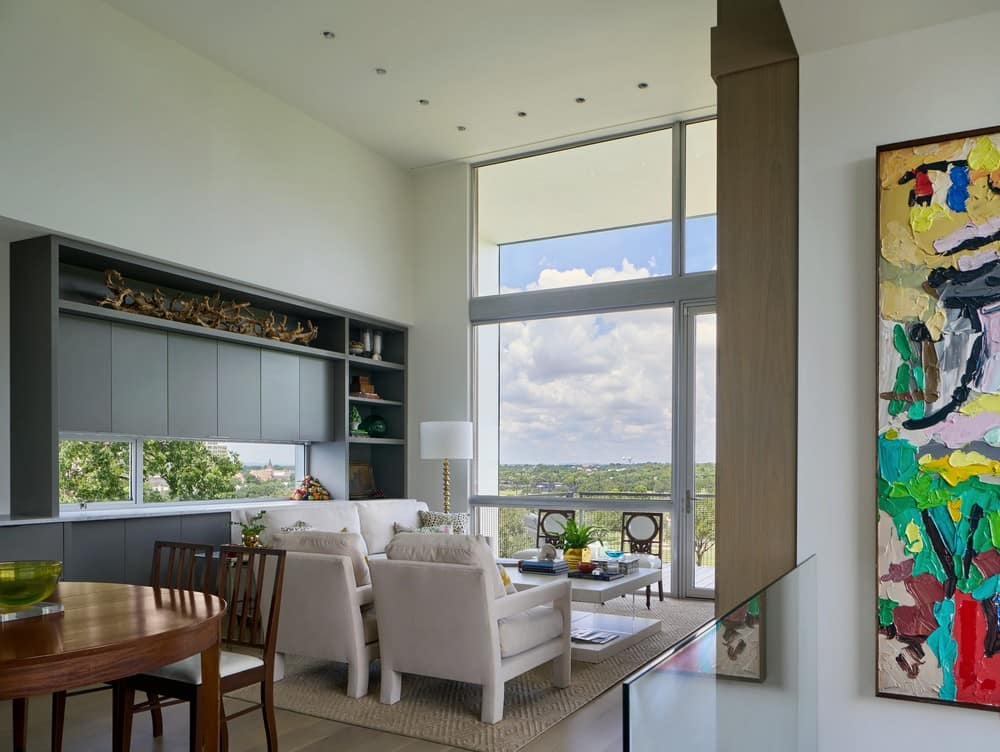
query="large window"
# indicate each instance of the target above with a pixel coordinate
(163, 470)
(585, 288)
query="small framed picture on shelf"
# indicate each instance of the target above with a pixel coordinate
(362, 481)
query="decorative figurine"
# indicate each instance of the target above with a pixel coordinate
(377, 346)
(356, 422)
(547, 552)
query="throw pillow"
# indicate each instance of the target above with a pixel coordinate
(459, 521)
(508, 585)
(350, 545)
(469, 550)
(298, 527)
(398, 528)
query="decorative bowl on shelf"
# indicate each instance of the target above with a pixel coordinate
(375, 425)
(25, 583)
(613, 554)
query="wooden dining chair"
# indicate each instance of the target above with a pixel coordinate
(179, 566)
(642, 532)
(250, 581)
(551, 523)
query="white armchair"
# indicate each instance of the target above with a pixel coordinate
(445, 620)
(327, 616)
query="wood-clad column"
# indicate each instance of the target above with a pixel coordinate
(755, 66)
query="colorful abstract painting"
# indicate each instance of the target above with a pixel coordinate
(938, 555)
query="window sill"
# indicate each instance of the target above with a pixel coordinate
(159, 509)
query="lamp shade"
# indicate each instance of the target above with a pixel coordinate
(446, 439)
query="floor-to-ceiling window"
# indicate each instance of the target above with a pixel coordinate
(594, 340)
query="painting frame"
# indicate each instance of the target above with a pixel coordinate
(957, 148)
(361, 481)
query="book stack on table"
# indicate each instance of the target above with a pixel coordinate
(542, 566)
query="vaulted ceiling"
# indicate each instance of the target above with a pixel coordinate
(477, 62)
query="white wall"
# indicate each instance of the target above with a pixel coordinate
(112, 132)
(922, 83)
(439, 374)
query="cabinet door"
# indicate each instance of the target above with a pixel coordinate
(84, 374)
(193, 387)
(279, 396)
(239, 391)
(95, 551)
(316, 400)
(138, 381)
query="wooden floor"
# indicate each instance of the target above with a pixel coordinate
(596, 728)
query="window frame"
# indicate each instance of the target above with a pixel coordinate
(137, 475)
(679, 290)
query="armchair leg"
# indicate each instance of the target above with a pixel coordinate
(659, 586)
(392, 685)
(649, 592)
(357, 679)
(492, 711)
(561, 669)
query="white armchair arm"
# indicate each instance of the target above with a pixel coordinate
(557, 593)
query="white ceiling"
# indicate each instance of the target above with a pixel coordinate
(818, 25)
(479, 62)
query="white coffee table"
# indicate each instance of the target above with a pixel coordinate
(630, 629)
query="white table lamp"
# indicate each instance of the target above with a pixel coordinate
(446, 440)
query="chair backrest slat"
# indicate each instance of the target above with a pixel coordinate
(182, 566)
(549, 533)
(243, 575)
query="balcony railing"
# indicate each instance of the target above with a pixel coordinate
(745, 681)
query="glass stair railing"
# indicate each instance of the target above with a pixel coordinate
(743, 683)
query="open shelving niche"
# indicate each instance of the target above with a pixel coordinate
(388, 376)
(53, 277)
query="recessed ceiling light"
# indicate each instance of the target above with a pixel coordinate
(522, 114)
(424, 101)
(329, 34)
(643, 85)
(580, 100)
(461, 128)
(380, 71)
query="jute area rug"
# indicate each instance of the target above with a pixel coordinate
(447, 712)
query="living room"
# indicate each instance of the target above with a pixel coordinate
(274, 269)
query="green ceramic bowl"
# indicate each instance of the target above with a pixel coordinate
(25, 583)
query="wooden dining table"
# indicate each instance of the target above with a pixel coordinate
(108, 632)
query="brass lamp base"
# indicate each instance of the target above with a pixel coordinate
(446, 475)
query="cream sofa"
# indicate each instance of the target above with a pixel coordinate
(442, 613)
(325, 614)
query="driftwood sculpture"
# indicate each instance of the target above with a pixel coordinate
(211, 312)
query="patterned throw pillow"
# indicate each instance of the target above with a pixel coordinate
(299, 527)
(446, 529)
(459, 521)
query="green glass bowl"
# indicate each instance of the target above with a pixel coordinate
(25, 583)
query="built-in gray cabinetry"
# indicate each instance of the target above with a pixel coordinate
(192, 387)
(84, 374)
(114, 550)
(138, 381)
(239, 391)
(84, 360)
(279, 388)
(316, 397)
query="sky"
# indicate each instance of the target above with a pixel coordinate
(597, 389)
(259, 454)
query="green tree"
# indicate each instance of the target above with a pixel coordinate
(93, 471)
(704, 530)
(191, 470)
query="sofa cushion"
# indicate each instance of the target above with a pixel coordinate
(351, 545)
(469, 550)
(529, 629)
(459, 521)
(319, 515)
(376, 518)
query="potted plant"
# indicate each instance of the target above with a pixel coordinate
(575, 540)
(251, 530)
